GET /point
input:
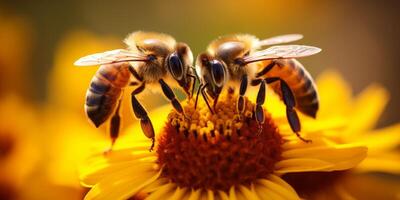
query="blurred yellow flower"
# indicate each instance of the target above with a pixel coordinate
(360, 116)
(193, 161)
(18, 151)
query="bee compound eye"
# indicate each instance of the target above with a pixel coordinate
(175, 66)
(218, 73)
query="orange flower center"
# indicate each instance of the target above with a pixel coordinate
(218, 151)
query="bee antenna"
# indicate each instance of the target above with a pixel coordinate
(240, 62)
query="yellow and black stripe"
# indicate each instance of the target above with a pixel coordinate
(104, 91)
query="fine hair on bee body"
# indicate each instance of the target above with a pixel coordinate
(237, 60)
(151, 59)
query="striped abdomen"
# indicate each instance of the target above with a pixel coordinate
(105, 90)
(299, 81)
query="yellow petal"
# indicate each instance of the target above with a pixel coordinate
(266, 193)
(232, 193)
(90, 178)
(178, 194)
(195, 194)
(318, 140)
(154, 185)
(162, 192)
(248, 194)
(100, 165)
(118, 156)
(367, 108)
(384, 139)
(386, 163)
(281, 182)
(328, 82)
(210, 195)
(223, 195)
(278, 189)
(323, 158)
(122, 185)
(301, 165)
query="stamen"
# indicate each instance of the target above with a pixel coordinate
(218, 151)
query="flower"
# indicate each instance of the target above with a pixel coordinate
(361, 115)
(216, 156)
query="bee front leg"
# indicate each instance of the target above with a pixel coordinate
(215, 102)
(205, 97)
(259, 111)
(172, 98)
(242, 91)
(140, 113)
(193, 77)
(290, 102)
(197, 95)
(266, 69)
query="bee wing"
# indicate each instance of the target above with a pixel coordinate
(113, 56)
(280, 39)
(283, 51)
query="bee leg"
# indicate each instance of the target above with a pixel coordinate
(171, 97)
(215, 102)
(259, 112)
(135, 74)
(193, 84)
(205, 97)
(140, 113)
(115, 125)
(133, 83)
(290, 102)
(242, 91)
(197, 95)
(266, 69)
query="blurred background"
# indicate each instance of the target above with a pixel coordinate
(40, 40)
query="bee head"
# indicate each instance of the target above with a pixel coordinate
(179, 65)
(213, 72)
(232, 52)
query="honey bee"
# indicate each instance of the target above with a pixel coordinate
(233, 60)
(151, 59)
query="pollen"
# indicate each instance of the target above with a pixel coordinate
(220, 150)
